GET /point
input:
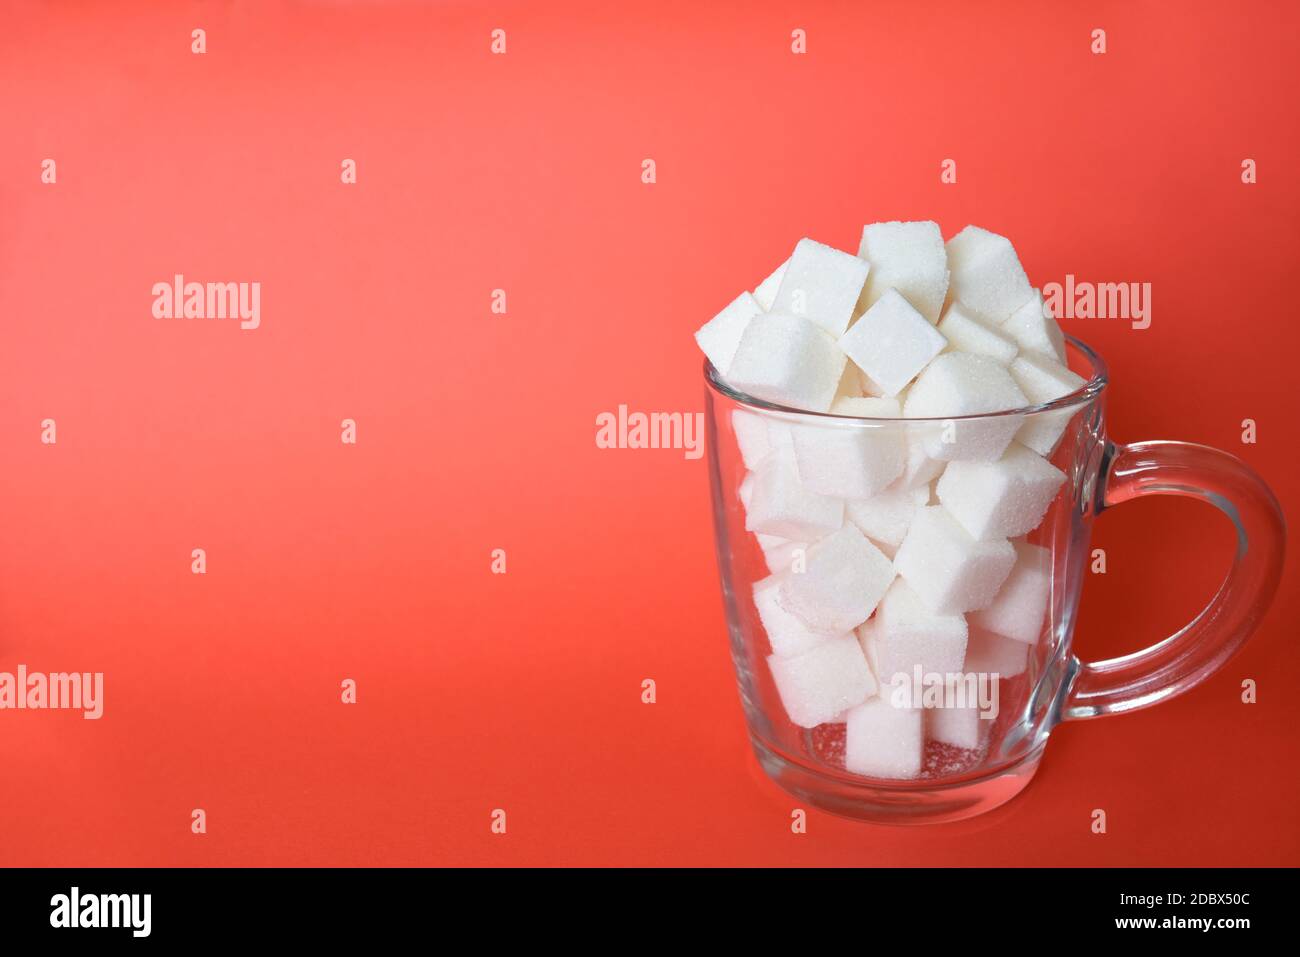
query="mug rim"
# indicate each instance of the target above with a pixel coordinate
(1081, 396)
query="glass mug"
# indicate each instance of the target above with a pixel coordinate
(1033, 680)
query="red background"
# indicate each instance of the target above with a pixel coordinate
(476, 431)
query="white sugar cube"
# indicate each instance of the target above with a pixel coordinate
(962, 727)
(765, 292)
(1019, 611)
(780, 553)
(719, 337)
(821, 284)
(788, 361)
(780, 505)
(823, 682)
(1000, 499)
(848, 460)
(910, 258)
(986, 273)
(1043, 380)
(904, 634)
(959, 384)
(1035, 329)
(844, 579)
(786, 634)
(966, 332)
(990, 654)
(882, 741)
(951, 571)
(884, 518)
(892, 342)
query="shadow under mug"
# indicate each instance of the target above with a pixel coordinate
(1054, 685)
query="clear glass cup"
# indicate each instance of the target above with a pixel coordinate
(1037, 680)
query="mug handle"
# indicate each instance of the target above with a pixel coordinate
(1189, 656)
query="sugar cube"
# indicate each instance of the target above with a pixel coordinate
(882, 741)
(904, 635)
(951, 571)
(719, 337)
(1042, 380)
(822, 682)
(1019, 610)
(765, 291)
(780, 505)
(786, 634)
(1000, 499)
(892, 342)
(966, 332)
(962, 727)
(910, 258)
(990, 654)
(787, 360)
(821, 284)
(1034, 329)
(851, 460)
(986, 273)
(843, 580)
(885, 517)
(959, 384)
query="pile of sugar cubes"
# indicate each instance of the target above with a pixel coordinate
(893, 545)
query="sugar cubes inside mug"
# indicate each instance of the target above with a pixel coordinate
(894, 546)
